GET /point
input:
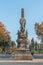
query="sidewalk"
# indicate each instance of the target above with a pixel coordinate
(32, 61)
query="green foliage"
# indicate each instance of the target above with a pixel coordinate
(4, 44)
(13, 43)
(37, 48)
(32, 41)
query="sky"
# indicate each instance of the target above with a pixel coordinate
(10, 14)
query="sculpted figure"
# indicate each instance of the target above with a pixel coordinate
(22, 22)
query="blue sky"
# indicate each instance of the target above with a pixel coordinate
(10, 13)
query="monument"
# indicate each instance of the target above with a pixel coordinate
(22, 51)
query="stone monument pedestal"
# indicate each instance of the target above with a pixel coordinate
(23, 54)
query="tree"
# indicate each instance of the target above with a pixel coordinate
(32, 46)
(36, 46)
(32, 42)
(13, 43)
(4, 36)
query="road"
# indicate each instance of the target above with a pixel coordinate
(19, 63)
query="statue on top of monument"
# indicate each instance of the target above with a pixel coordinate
(22, 21)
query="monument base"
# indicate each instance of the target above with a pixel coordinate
(23, 54)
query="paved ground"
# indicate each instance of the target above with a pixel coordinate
(31, 61)
(19, 63)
